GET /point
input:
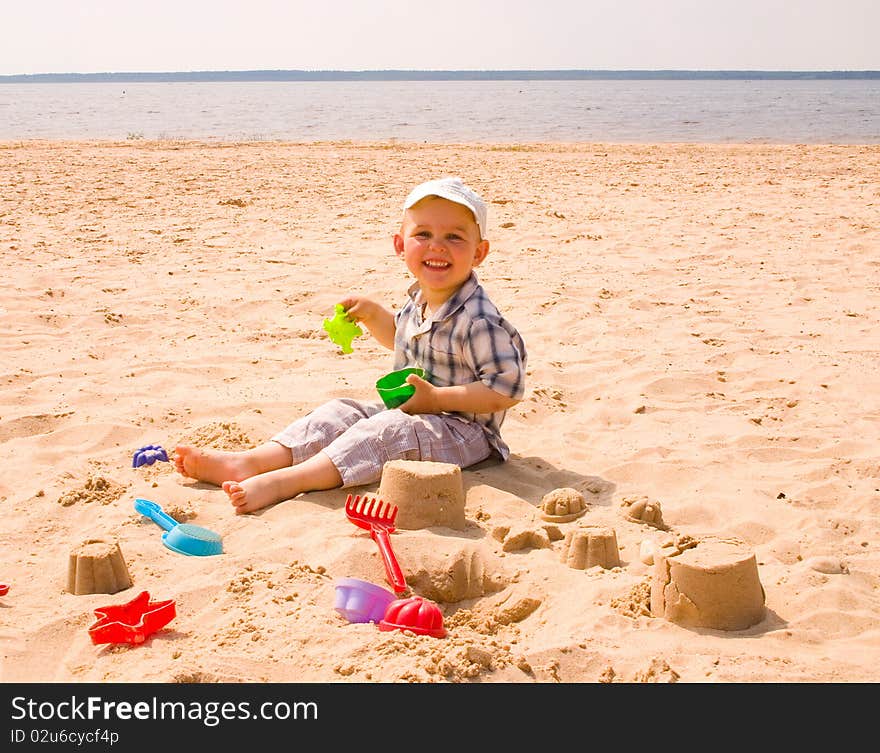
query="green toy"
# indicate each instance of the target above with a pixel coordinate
(341, 329)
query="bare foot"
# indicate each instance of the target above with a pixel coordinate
(252, 494)
(214, 466)
(263, 489)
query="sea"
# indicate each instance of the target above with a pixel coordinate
(832, 111)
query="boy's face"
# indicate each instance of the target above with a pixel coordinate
(440, 243)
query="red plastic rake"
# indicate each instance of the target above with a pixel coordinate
(378, 518)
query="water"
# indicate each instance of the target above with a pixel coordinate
(750, 111)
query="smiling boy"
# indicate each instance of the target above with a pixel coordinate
(474, 358)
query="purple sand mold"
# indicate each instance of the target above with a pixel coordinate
(149, 454)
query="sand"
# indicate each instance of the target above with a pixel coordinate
(702, 326)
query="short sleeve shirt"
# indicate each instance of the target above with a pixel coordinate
(466, 341)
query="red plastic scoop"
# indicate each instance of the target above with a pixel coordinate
(4, 589)
(378, 518)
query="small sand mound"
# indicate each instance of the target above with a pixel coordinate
(658, 671)
(451, 575)
(95, 489)
(221, 435)
(635, 603)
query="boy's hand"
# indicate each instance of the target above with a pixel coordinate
(424, 400)
(359, 308)
(376, 317)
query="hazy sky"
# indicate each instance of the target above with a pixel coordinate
(87, 36)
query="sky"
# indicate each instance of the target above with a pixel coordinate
(101, 36)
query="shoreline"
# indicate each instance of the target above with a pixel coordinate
(439, 75)
(416, 143)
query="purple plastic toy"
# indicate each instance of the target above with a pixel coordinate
(361, 601)
(149, 454)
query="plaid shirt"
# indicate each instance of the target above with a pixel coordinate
(466, 341)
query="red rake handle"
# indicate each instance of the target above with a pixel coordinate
(392, 568)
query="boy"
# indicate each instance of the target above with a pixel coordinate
(475, 362)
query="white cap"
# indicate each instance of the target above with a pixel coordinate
(454, 190)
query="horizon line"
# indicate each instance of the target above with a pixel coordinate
(435, 74)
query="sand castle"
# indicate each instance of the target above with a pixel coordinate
(589, 546)
(641, 509)
(563, 505)
(97, 567)
(709, 583)
(426, 493)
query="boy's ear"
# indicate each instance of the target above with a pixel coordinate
(481, 253)
(398, 244)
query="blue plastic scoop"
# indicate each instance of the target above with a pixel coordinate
(182, 538)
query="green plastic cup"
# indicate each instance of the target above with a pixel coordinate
(394, 390)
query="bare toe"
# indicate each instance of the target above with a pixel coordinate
(235, 491)
(180, 454)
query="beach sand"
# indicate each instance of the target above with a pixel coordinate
(702, 330)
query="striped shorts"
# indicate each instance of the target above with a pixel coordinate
(359, 438)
